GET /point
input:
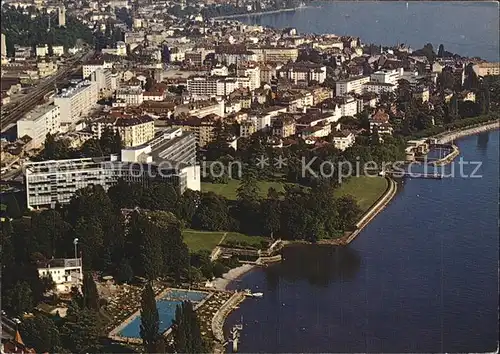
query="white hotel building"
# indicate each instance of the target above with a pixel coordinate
(170, 156)
(38, 123)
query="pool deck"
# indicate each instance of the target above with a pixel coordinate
(114, 334)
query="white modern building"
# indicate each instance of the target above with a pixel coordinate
(206, 87)
(76, 102)
(354, 84)
(42, 51)
(170, 157)
(252, 71)
(91, 66)
(387, 76)
(65, 272)
(38, 123)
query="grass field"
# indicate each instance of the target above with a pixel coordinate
(229, 190)
(366, 190)
(254, 241)
(201, 240)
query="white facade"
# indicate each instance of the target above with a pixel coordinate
(89, 68)
(77, 102)
(58, 50)
(38, 123)
(253, 73)
(3, 47)
(379, 88)
(211, 86)
(65, 273)
(343, 141)
(387, 76)
(355, 85)
(42, 51)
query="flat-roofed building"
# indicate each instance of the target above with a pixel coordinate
(353, 84)
(76, 102)
(39, 122)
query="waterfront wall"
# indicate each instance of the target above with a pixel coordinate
(220, 316)
(453, 135)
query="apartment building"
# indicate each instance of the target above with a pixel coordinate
(202, 128)
(487, 69)
(92, 65)
(38, 123)
(303, 72)
(42, 51)
(283, 126)
(387, 76)
(130, 96)
(342, 139)
(201, 109)
(247, 128)
(379, 87)
(228, 54)
(77, 101)
(212, 86)
(133, 130)
(252, 71)
(106, 80)
(353, 84)
(276, 54)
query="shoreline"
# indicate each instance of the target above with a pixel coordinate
(449, 136)
(252, 14)
(232, 275)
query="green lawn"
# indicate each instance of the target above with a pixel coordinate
(365, 189)
(229, 190)
(237, 238)
(201, 240)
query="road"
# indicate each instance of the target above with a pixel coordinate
(33, 98)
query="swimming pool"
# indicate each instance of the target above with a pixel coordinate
(166, 311)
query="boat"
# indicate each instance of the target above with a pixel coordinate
(258, 294)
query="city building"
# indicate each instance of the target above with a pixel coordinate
(354, 84)
(201, 109)
(38, 123)
(76, 102)
(92, 65)
(3, 47)
(213, 86)
(387, 76)
(202, 128)
(303, 72)
(378, 87)
(61, 16)
(42, 51)
(283, 126)
(133, 130)
(130, 96)
(252, 71)
(247, 128)
(342, 139)
(65, 272)
(58, 50)
(487, 69)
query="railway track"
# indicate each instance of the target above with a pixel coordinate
(36, 97)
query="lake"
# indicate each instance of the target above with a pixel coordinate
(467, 28)
(421, 277)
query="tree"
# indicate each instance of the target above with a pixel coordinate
(212, 213)
(186, 330)
(41, 334)
(19, 299)
(81, 330)
(91, 148)
(150, 320)
(90, 293)
(13, 210)
(271, 212)
(91, 240)
(110, 142)
(124, 272)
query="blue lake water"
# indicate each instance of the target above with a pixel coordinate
(469, 28)
(421, 277)
(166, 311)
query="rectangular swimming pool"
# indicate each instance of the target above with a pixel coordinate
(166, 310)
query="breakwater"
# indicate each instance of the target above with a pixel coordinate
(446, 137)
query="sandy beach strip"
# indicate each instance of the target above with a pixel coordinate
(233, 274)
